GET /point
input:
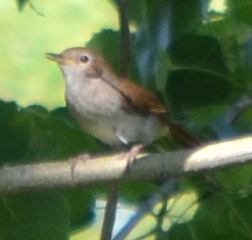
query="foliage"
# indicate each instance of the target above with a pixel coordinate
(200, 66)
(21, 4)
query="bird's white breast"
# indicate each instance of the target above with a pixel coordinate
(98, 109)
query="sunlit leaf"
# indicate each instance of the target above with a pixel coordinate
(21, 4)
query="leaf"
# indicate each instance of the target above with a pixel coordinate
(189, 88)
(8, 111)
(35, 134)
(201, 52)
(199, 77)
(158, 23)
(137, 191)
(241, 10)
(70, 138)
(236, 180)
(35, 215)
(186, 17)
(21, 4)
(219, 217)
(80, 204)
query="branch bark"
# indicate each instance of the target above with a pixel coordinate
(111, 168)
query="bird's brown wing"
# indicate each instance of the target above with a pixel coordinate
(137, 98)
(140, 98)
(145, 101)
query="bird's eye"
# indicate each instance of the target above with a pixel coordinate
(84, 58)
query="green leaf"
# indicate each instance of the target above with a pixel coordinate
(69, 138)
(21, 4)
(235, 180)
(219, 217)
(186, 17)
(35, 215)
(188, 89)
(35, 134)
(159, 23)
(199, 77)
(241, 10)
(8, 110)
(137, 191)
(80, 204)
(199, 52)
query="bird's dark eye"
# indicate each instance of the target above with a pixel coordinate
(84, 58)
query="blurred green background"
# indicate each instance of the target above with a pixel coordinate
(26, 76)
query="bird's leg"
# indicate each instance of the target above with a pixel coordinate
(131, 154)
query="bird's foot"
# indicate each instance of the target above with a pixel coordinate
(131, 154)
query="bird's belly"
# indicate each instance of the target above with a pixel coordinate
(121, 128)
(138, 128)
(99, 111)
(100, 129)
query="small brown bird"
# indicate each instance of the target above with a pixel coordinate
(112, 109)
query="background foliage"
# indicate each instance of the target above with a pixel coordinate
(199, 62)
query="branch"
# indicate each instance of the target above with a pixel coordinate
(167, 188)
(111, 168)
(34, 9)
(110, 212)
(238, 109)
(125, 37)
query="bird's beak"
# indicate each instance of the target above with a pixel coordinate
(54, 57)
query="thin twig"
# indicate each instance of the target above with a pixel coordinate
(110, 212)
(126, 50)
(167, 187)
(34, 9)
(237, 110)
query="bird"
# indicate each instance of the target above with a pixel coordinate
(114, 110)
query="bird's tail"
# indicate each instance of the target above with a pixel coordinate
(181, 136)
